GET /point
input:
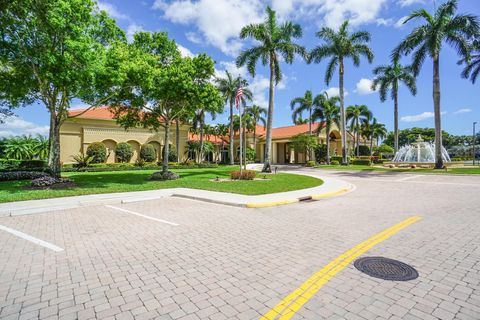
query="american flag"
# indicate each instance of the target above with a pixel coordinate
(238, 96)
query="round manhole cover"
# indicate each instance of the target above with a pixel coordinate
(386, 269)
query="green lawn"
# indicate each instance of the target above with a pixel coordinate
(123, 181)
(465, 170)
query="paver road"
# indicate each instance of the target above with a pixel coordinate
(222, 262)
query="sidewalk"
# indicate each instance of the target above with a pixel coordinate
(331, 187)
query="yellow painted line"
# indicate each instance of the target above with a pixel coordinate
(329, 194)
(270, 204)
(286, 308)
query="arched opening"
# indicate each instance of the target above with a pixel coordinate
(335, 143)
(158, 147)
(110, 145)
(136, 150)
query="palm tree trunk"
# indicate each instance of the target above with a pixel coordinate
(438, 115)
(166, 148)
(54, 145)
(267, 166)
(357, 134)
(395, 120)
(200, 160)
(327, 131)
(245, 147)
(177, 139)
(231, 142)
(342, 114)
(255, 141)
(371, 146)
(310, 154)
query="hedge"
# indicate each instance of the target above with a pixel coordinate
(98, 151)
(123, 152)
(148, 153)
(130, 166)
(24, 165)
(362, 162)
(21, 175)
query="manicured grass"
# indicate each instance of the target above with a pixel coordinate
(123, 181)
(464, 170)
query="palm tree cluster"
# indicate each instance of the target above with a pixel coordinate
(24, 148)
(275, 43)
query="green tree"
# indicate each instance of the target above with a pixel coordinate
(221, 131)
(199, 124)
(257, 115)
(274, 44)
(19, 148)
(388, 78)
(357, 115)
(300, 121)
(373, 131)
(444, 26)
(339, 46)
(228, 87)
(301, 104)
(472, 63)
(53, 51)
(327, 112)
(303, 143)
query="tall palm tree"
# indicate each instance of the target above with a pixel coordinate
(301, 104)
(472, 64)
(228, 87)
(357, 115)
(199, 124)
(221, 131)
(327, 112)
(257, 115)
(388, 78)
(275, 44)
(373, 131)
(300, 120)
(444, 26)
(339, 46)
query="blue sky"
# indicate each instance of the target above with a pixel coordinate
(212, 27)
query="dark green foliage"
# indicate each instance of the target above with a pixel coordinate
(164, 176)
(362, 162)
(321, 153)
(384, 149)
(338, 159)
(29, 165)
(97, 151)
(311, 163)
(363, 150)
(250, 154)
(21, 175)
(334, 162)
(82, 161)
(148, 153)
(172, 154)
(132, 166)
(123, 152)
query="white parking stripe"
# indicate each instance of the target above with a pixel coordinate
(27, 237)
(142, 215)
(409, 177)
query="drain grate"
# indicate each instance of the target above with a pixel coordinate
(386, 269)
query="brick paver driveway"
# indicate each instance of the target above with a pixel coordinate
(202, 261)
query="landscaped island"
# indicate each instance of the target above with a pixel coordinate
(124, 181)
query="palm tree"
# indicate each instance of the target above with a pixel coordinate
(388, 78)
(19, 148)
(221, 130)
(275, 41)
(228, 87)
(300, 120)
(357, 115)
(444, 26)
(301, 104)
(257, 115)
(328, 113)
(472, 64)
(339, 46)
(373, 130)
(199, 124)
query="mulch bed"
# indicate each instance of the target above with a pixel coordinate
(56, 186)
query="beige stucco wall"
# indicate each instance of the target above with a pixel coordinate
(76, 134)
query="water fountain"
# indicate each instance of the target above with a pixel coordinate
(419, 152)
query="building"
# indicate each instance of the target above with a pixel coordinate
(85, 126)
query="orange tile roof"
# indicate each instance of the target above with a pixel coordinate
(95, 113)
(213, 139)
(290, 131)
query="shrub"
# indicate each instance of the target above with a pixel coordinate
(13, 164)
(140, 162)
(250, 154)
(334, 162)
(163, 176)
(362, 162)
(339, 159)
(321, 153)
(148, 153)
(172, 154)
(384, 149)
(97, 151)
(363, 150)
(244, 175)
(124, 152)
(32, 164)
(82, 161)
(21, 175)
(311, 163)
(189, 162)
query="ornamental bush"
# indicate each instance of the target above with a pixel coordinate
(244, 175)
(148, 153)
(124, 152)
(164, 176)
(362, 162)
(97, 151)
(311, 164)
(321, 153)
(363, 150)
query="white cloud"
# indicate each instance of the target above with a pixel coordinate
(405, 3)
(399, 24)
(112, 11)
(185, 52)
(132, 29)
(193, 37)
(464, 110)
(219, 22)
(334, 92)
(14, 126)
(364, 87)
(419, 117)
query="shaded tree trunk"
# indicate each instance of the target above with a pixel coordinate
(357, 138)
(342, 114)
(310, 155)
(200, 156)
(54, 145)
(267, 165)
(327, 131)
(166, 148)
(437, 111)
(231, 142)
(244, 147)
(371, 146)
(255, 141)
(395, 117)
(177, 139)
